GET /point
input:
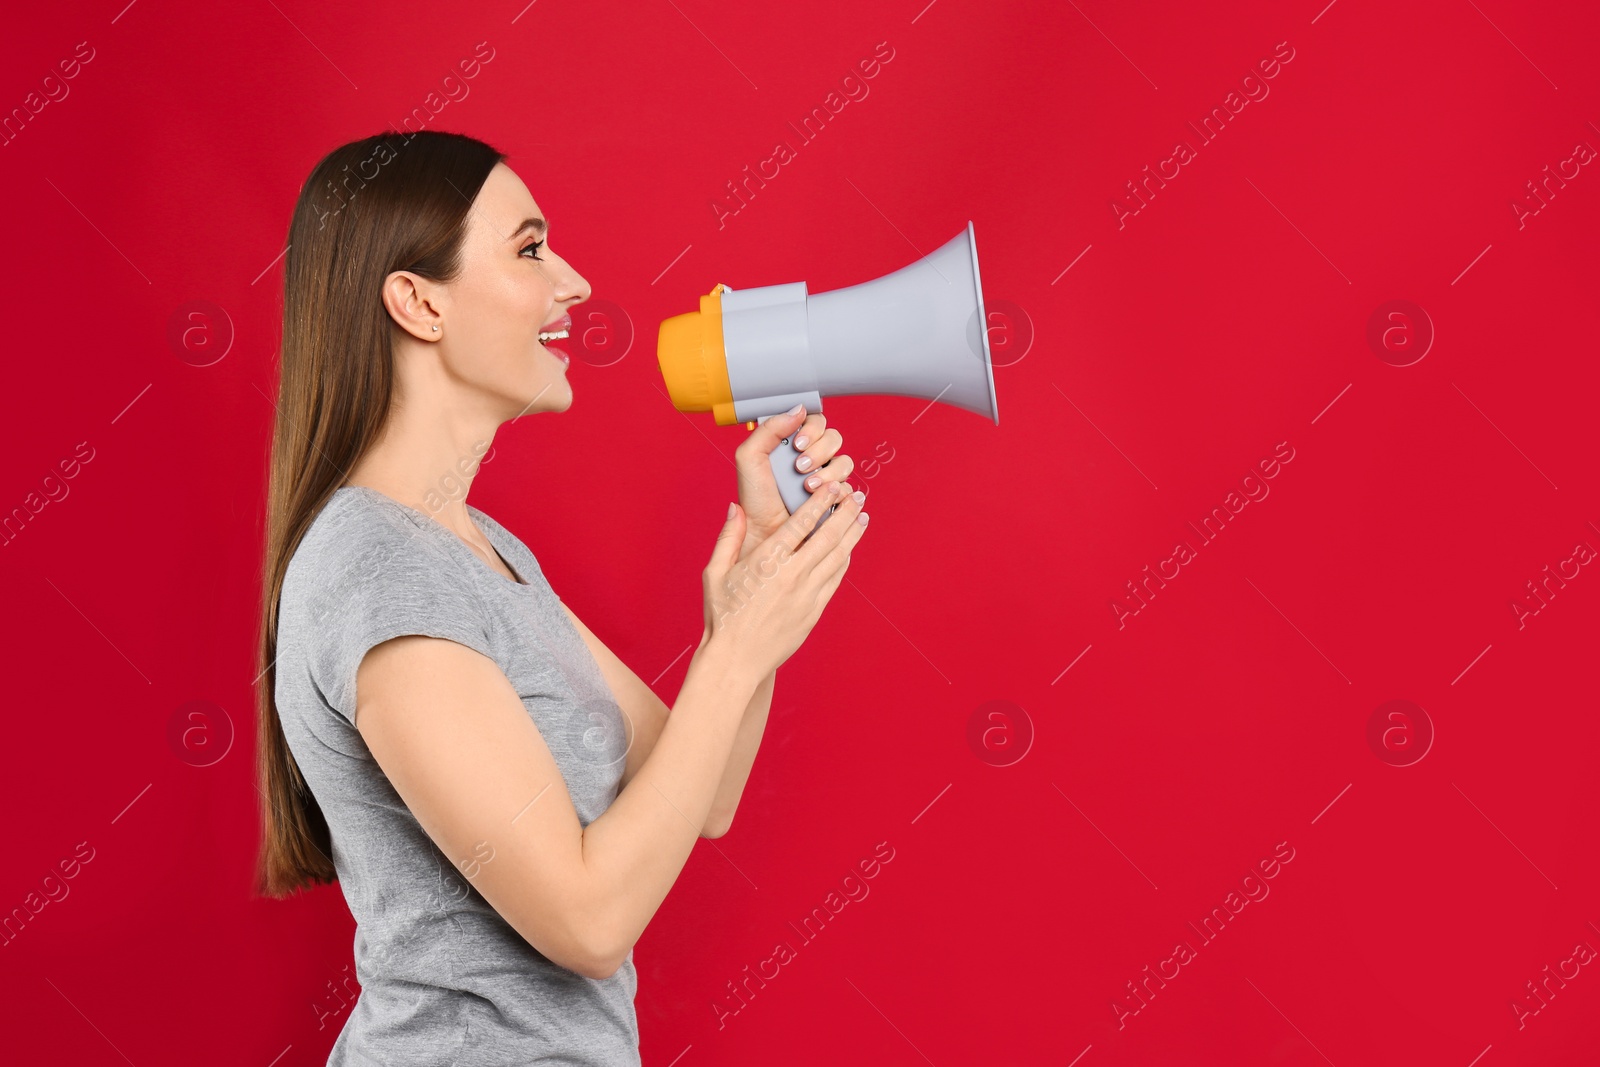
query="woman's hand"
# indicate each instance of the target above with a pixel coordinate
(758, 490)
(760, 609)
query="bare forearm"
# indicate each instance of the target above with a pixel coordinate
(635, 850)
(745, 744)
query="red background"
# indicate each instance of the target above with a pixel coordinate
(1228, 716)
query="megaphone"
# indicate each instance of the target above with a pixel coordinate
(750, 354)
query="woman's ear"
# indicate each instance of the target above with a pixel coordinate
(407, 298)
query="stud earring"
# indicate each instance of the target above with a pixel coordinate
(436, 329)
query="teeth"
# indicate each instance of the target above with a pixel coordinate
(556, 336)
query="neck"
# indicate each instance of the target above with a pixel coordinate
(427, 459)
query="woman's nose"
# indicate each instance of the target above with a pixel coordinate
(570, 285)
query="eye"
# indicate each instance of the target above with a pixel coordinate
(534, 248)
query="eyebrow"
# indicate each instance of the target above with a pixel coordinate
(536, 225)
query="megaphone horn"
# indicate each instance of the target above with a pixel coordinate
(750, 354)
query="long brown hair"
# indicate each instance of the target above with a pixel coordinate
(371, 207)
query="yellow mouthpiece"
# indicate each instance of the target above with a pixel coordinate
(694, 362)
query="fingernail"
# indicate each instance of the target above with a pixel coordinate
(797, 409)
(833, 488)
(804, 464)
(859, 497)
(801, 442)
(862, 518)
(813, 481)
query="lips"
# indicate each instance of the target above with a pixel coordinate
(553, 331)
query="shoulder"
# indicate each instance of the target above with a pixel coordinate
(360, 540)
(367, 571)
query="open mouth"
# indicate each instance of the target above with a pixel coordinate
(559, 330)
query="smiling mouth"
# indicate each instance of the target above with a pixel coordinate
(556, 329)
(559, 330)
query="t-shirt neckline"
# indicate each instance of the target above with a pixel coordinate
(503, 550)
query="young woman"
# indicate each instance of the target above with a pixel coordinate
(502, 801)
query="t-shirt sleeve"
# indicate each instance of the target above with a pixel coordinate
(388, 585)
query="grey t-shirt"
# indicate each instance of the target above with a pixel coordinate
(445, 980)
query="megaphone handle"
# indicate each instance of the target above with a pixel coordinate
(792, 483)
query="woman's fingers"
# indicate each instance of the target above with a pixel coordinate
(838, 469)
(809, 431)
(819, 450)
(832, 567)
(831, 585)
(834, 538)
(787, 540)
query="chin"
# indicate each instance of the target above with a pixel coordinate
(552, 395)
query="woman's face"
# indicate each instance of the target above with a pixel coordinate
(511, 287)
